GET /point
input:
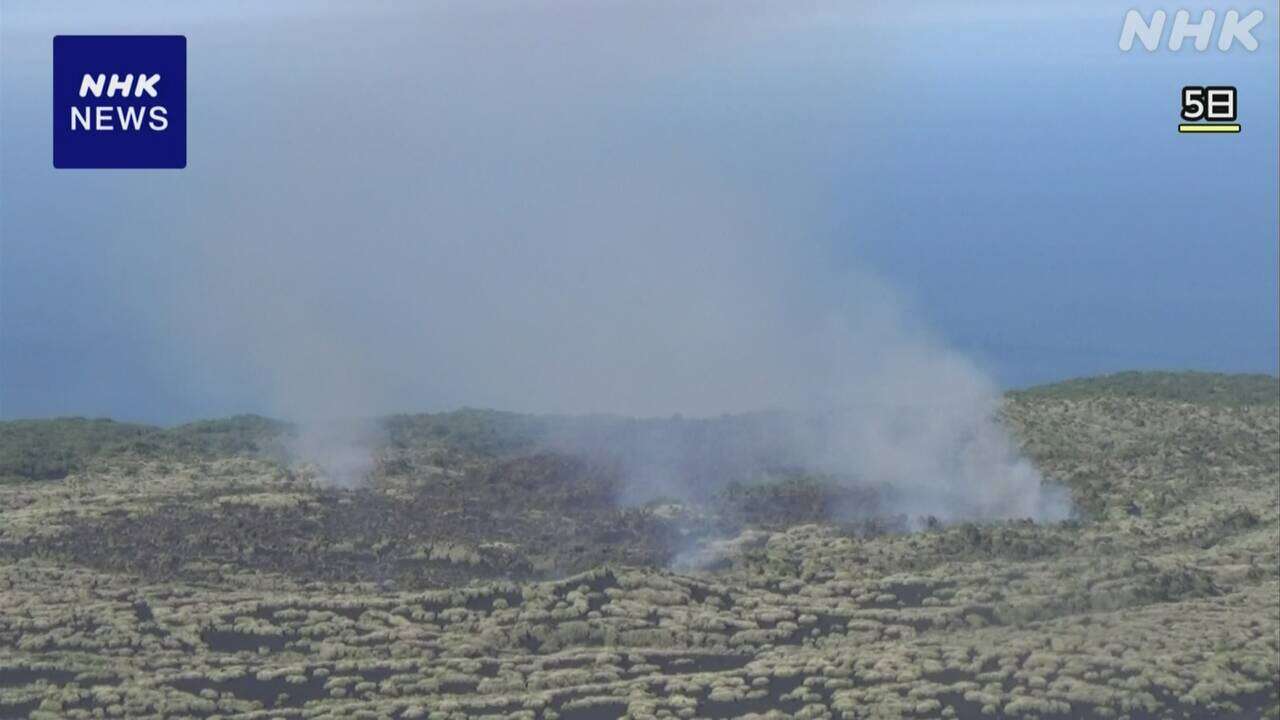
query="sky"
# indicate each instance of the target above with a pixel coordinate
(645, 207)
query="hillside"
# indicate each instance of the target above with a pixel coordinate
(484, 570)
(1189, 387)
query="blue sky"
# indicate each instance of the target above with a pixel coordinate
(1010, 177)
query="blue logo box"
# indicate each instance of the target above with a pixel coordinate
(119, 101)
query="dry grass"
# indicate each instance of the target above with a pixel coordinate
(1163, 601)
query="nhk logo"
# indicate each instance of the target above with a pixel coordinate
(1234, 28)
(100, 117)
(119, 101)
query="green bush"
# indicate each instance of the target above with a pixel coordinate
(1189, 387)
(52, 449)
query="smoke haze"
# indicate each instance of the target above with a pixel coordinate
(528, 210)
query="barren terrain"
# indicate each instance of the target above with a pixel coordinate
(482, 572)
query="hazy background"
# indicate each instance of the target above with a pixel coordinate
(644, 208)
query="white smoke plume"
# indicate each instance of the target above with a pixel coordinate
(554, 208)
(879, 405)
(337, 452)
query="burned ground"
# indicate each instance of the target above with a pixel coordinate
(486, 570)
(532, 517)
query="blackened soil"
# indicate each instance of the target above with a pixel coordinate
(527, 517)
(522, 518)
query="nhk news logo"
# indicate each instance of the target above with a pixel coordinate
(119, 101)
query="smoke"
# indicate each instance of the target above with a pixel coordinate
(882, 409)
(568, 208)
(335, 452)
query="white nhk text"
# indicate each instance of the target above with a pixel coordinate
(119, 117)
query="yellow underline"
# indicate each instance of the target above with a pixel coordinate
(1191, 128)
